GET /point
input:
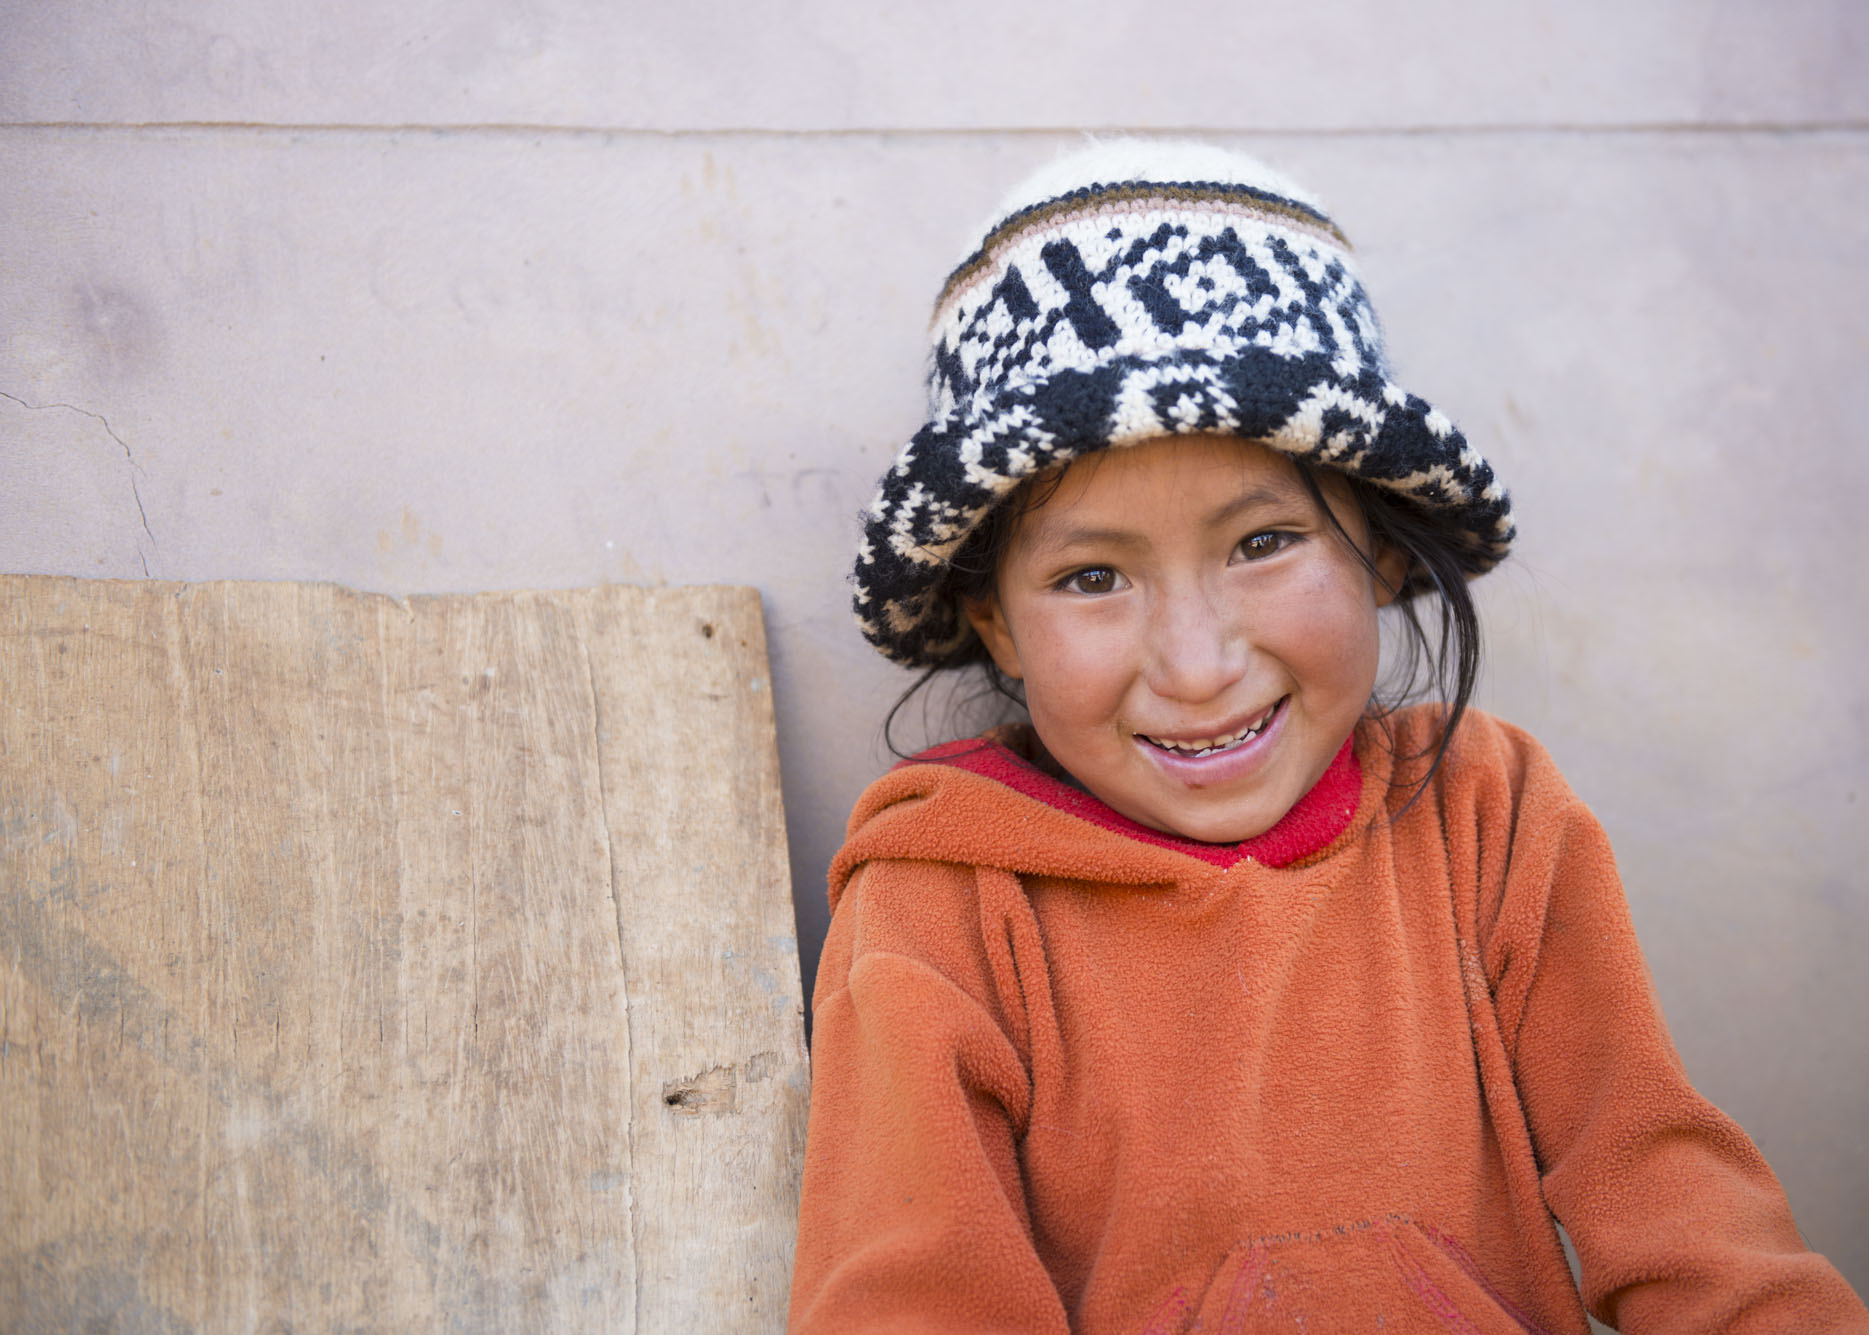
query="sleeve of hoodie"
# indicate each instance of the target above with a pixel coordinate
(913, 1213)
(1677, 1220)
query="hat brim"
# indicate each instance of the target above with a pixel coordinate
(1362, 426)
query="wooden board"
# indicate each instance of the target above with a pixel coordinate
(386, 964)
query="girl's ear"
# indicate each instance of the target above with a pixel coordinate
(1391, 569)
(988, 619)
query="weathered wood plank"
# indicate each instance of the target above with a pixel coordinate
(715, 1026)
(348, 944)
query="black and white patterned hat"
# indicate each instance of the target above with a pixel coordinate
(1135, 290)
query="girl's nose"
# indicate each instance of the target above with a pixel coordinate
(1196, 647)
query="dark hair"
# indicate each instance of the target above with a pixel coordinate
(1444, 664)
(970, 578)
(1442, 654)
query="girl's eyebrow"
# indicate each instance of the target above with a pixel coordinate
(1254, 499)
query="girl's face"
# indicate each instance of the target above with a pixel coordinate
(1195, 639)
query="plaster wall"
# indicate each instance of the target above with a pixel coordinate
(430, 297)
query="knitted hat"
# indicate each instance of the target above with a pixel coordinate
(1134, 290)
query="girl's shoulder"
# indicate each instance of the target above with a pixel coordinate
(1496, 812)
(933, 807)
(1492, 776)
(987, 803)
(1484, 750)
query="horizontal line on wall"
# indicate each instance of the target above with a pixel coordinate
(1764, 128)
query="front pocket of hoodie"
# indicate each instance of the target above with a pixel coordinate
(1392, 1275)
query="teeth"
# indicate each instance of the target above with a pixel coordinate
(1206, 746)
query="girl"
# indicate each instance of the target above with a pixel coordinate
(1219, 997)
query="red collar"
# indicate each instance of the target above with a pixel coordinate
(1313, 822)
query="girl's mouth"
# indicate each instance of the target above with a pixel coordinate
(1198, 747)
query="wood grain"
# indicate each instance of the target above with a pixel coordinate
(379, 964)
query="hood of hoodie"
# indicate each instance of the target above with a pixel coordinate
(985, 802)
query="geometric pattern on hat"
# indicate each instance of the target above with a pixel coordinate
(1134, 291)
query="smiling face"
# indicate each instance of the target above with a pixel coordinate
(1195, 638)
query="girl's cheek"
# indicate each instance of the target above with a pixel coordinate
(1078, 655)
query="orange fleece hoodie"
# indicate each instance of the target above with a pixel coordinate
(1070, 1074)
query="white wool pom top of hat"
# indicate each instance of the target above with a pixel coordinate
(1161, 161)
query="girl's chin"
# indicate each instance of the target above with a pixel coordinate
(1205, 818)
(1221, 830)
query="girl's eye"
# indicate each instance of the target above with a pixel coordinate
(1097, 579)
(1258, 546)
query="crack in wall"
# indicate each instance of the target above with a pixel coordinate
(136, 493)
